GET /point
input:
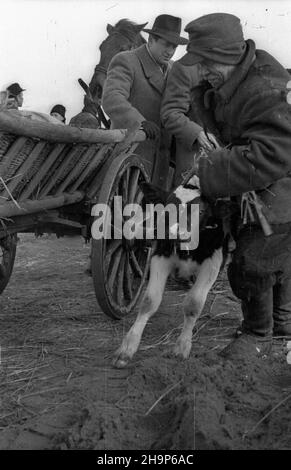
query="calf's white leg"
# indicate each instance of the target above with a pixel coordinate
(159, 271)
(195, 301)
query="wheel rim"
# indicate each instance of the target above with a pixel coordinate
(7, 256)
(124, 264)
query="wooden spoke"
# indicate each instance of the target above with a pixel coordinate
(111, 248)
(128, 279)
(116, 215)
(135, 264)
(2, 270)
(120, 279)
(125, 186)
(113, 269)
(7, 257)
(133, 184)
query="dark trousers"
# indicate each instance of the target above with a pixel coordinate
(260, 275)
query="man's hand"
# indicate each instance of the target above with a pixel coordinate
(150, 129)
(208, 142)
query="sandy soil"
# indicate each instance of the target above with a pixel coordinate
(59, 390)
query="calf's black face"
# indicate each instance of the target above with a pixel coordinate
(185, 198)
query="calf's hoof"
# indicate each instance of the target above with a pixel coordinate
(120, 360)
(183, 348)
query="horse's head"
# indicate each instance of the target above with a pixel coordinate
(125, 35)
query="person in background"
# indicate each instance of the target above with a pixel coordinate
(59, 112)
(87, 118)
(15, 96)
(3, 100)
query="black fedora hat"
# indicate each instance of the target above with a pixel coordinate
(168, 27)
(14, 89)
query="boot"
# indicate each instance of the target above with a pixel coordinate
(278, 330)
(247, 346)
(254, 337)
(282, 308)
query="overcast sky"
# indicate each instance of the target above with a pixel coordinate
(46, 45)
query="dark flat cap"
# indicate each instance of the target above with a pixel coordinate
(218, 37)
(14, 89)
(60, 109)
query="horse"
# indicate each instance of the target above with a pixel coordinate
(125, 35)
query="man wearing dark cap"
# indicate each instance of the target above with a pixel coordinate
(242, 99)
(15, 96)
(59, 112)
(136, 81)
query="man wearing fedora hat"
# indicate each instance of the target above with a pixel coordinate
(15, 96)
(242, 98)
(136, 81)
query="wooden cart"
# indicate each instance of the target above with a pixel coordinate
(50, 178)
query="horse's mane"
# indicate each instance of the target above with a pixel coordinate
(127, 28)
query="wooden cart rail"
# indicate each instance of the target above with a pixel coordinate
(44, 165)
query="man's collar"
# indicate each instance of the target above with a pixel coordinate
(226, 91)
(164, 68)
(151, 69)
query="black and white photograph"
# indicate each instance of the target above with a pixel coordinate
(145, 228)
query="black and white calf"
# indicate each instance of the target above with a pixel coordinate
(204, 263)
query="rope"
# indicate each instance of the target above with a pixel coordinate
(8, 191)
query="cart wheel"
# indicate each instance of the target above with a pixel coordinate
(120, 266)
(7, 257)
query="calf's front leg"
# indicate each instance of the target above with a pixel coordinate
(195, 301)
(159, 271)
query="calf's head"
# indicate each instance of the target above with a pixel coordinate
(183, 212)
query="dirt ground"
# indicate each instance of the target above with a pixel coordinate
(59, 390)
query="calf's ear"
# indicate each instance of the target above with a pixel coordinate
(153, 194)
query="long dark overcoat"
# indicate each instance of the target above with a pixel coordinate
(132, 94)
(252, 113)
(133, 89)
(252, 118)
(178, 113)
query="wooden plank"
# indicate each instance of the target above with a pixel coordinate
(93, 165)
(76, 169)
(95, 185)
(12, 152)
(51, 219)
(36, 179)
(26, 165)
(44, 191)
(14, 123)
(10, 209)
